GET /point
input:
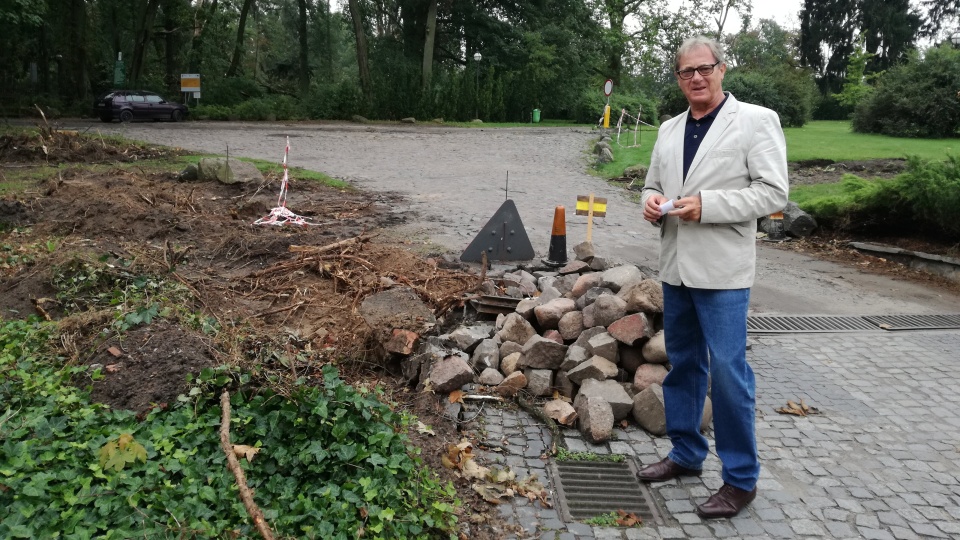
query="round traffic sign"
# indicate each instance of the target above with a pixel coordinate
(608, 87)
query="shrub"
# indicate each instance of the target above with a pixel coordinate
(230, 92)
(589, 108)
(210, 112)
(923, 200)
(788, 91)
(915, 99)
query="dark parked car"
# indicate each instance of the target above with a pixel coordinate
(129, 105)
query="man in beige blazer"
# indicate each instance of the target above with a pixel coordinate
(714, 171)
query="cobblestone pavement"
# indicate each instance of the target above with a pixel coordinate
(881, 461)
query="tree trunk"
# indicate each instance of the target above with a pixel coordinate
(142, 39)
(362, 52)
(72, 68)
(304, 56)
(238, 44)
(428, 45)
(196, 45)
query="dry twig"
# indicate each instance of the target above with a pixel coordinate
(234, 465)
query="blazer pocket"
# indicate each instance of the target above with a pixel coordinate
(743, 229)
(724, 153)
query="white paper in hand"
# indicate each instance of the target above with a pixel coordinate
(666, 207)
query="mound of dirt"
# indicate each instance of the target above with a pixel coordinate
(284, 298)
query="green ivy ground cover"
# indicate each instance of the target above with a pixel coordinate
(332, 462)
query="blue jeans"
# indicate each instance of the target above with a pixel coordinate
(706, 334)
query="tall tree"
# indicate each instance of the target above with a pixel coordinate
(827, 35)
(890, 29)
(144, 31)
(429, 43)
(241, 35)
(363, 53)
(304, 74)
(719, 12)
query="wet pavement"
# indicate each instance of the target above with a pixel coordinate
(881, 460)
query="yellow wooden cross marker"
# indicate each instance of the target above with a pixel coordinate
(590, 206)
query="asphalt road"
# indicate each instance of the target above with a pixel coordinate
(454, 180)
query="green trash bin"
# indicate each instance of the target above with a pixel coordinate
(536, 116)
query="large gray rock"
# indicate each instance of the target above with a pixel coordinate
(450, 374)
(228, 171)
(620, 277)
(561, 411)
(596, 419)
(594, 368)
(585, 283)
(466, 338)
(548, 315)
(570, 325)
(655, 349)
(490, 377)
(650, 414)
(575, 356)
(539, 381)
(796, 222)
(645, 296)
(542, 353)
(584, 251)
(516, 329)
(606, 310)
(514, 382)
(604, 345)
(525, 308)
(620, 402)
(486, 355)
(648, 375)
(586, 335)
(632, 329)
(588, 298)
(510, 363)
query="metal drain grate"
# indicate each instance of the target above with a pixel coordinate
(587, 489)
(915, 322)
(810, 323)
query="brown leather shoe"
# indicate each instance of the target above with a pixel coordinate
(728, 501)
(664, 470)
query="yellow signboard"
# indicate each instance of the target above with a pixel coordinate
(189, 82)
(585, 202)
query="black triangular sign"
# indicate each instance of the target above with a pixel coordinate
(503, 238)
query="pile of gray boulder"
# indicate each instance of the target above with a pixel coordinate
(587, 336)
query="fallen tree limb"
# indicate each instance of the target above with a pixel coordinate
(313, 249)
(234, 465)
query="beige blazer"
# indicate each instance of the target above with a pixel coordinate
(740, 171)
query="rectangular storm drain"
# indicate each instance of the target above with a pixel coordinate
(915, 322)
(589, 488)
(808, 323)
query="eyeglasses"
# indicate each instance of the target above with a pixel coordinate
(704, 71)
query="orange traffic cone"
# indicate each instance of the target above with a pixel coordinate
(558, 240)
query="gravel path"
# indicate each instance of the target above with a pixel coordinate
(453, 181)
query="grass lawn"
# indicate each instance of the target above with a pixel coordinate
(831, 140)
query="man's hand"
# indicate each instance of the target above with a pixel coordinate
(651, 211)
(687, 208)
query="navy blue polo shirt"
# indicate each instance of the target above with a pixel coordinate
(694, 133)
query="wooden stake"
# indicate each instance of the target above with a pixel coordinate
(590, 219)
(234, 465)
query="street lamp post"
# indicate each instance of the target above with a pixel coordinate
(476, 59)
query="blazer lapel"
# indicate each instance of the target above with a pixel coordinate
(720, 124)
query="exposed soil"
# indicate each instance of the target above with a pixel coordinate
(283, 302)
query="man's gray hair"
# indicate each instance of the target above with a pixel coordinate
(700, 41)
